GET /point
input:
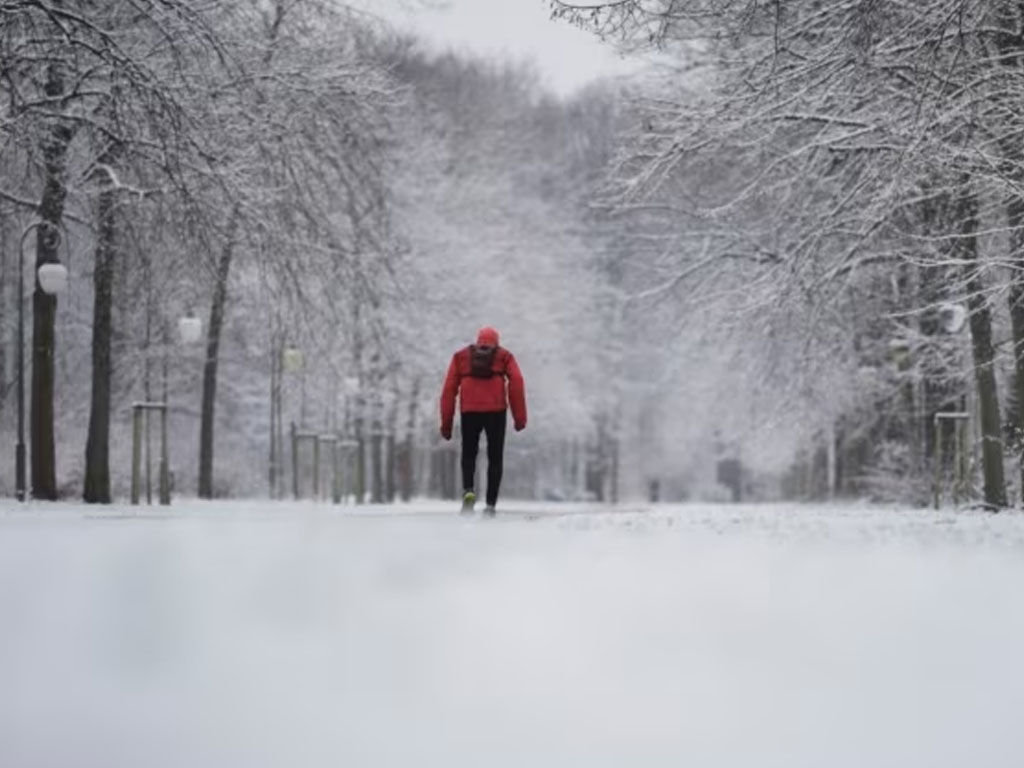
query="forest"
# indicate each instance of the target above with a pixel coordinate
(783, 261)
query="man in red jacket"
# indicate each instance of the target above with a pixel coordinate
(478, 375)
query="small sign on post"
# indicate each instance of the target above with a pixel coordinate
(139, 410)
(300, 436)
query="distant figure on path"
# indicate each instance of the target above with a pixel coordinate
(478, 375)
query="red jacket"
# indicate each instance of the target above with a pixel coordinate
(476, 394)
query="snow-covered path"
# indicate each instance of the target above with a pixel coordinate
(245, 634)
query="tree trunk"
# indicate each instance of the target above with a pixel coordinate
(390, 451)
(377, 457)
(983, 351)
(44, 307)
(1015, 220)
(4, 304)
(390, 463)
(1009, 44)
(376, 429)
(97, 446)
(408, 452)
(220, 293)
(272, 459)
(613, 492)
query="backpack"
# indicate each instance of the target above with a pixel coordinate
(481, 361)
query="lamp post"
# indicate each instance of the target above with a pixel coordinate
(53, 279)
(190, 331)
(953, 318)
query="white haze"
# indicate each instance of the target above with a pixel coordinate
(521, 31)
(234, 634)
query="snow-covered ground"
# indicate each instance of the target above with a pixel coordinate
(240, 634)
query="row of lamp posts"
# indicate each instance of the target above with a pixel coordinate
(52, 279)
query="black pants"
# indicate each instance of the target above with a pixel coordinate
(493, 423)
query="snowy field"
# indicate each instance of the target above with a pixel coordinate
(241, 634)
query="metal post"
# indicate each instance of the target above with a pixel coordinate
(165, 462)
(136, 451)
(963, 478)
(19, 451)
(957, 479)
(278, 436)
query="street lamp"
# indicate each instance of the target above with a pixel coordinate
(190, 329)
(953, 317)
(293, 360)
(53, 279)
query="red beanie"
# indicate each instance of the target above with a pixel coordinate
(487, 337)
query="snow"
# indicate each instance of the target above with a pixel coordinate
(260, 634)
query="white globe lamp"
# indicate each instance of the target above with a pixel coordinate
(190, 329)
(293, 360)
(53, 278)
(953, 317)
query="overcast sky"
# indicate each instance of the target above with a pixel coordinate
(565, 57)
